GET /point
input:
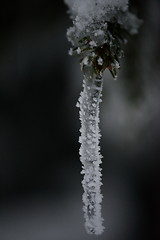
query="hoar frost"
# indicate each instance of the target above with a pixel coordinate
(100, 28)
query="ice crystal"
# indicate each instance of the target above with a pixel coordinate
(100, 28)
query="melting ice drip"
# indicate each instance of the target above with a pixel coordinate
(88, 103)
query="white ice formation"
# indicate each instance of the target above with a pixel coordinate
(88, 102)
(100, 27)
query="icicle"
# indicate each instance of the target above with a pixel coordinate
(97, 35)
(90, 153)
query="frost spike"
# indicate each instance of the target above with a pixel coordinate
(90, 153)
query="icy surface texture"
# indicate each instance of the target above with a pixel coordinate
(90, 153)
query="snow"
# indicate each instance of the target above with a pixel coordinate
(85, 61)
(91, 17)
(100, 61)
(78, 50)
(90, 9)
(93, 44)
(70, 52)
(93, 27)
(98, 32)
(90, 12)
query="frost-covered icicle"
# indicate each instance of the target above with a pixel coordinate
(90, 153)
(99, 30)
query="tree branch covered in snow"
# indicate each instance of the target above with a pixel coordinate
(100, 28)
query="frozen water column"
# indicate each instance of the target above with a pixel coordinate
(99, 30)
(89, 101)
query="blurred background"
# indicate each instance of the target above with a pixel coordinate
(40, 181)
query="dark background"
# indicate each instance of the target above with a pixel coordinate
(40, 189)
